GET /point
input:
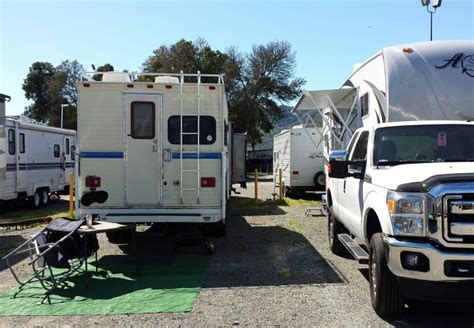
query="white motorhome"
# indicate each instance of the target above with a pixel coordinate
(298, 152)
(38, 160)
(154, 152)
(403, 188)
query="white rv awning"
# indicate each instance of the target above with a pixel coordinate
(320, 99)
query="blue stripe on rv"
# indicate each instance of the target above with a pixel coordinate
(92, 154)
(195, 156)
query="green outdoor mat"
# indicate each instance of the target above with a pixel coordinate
(116, 289)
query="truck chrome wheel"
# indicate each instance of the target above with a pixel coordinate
(385, 295)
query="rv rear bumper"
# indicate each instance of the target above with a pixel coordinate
(168, 215)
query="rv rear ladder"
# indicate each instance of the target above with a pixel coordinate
(197, 170)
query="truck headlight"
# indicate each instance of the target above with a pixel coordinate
(407, 213)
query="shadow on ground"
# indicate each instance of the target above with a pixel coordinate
(266, 256)
(7, 244)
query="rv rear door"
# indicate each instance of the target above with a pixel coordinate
(143, 161)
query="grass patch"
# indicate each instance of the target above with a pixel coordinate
(299, 202)
(31, 214)
(295, 226)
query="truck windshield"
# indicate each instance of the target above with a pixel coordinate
(423, 144)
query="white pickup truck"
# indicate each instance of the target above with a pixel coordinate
(404, 192)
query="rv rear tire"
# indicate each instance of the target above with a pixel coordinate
(319, 180)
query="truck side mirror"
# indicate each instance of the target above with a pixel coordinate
(337, 169)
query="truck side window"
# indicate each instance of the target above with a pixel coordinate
(351, 143)
(11, 142)
(360, 150)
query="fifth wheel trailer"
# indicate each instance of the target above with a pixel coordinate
(35, 160)
(154, 152)
(401, 185)
(298, 153)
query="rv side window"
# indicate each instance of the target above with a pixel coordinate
(11, 142)
(67, 146)
(207, 130)
(73, 155)
(143, 120)
(364, 105)
(226, 131)
(22, 143)
(57, 151)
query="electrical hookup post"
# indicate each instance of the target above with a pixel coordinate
(256, 186)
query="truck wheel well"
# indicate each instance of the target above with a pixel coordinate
(329, 200)
(372, 225)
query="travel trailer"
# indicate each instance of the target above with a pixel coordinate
(400, 190)
(155, 151)
(35, 160)
(298, 153)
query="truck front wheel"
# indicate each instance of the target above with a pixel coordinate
(334, 228)
(384, 290)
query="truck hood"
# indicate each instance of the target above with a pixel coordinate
(392, 177)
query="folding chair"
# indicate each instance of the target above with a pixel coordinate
(57, 246)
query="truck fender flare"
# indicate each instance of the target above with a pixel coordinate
(374, 202)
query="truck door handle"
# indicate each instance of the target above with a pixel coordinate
(344, 188)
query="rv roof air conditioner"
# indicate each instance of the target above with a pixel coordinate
(116, 77)
(166, 79)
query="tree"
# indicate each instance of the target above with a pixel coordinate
(257, 84)
(49, 87)
(36, 89)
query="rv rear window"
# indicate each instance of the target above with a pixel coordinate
(22, 143)
(143, 120)
(207, 130)
(11, 142)
(57, 151)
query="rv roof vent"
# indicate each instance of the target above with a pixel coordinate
(166, 79)
(116, 77)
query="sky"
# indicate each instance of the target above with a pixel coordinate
(329, 37)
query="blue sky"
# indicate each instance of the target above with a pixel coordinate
(328, 36)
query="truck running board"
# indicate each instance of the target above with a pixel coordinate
(356, 251)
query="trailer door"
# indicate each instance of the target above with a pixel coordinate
(143, 162)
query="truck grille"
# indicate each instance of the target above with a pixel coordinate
(459, 218)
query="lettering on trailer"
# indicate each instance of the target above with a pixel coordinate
(460, 60)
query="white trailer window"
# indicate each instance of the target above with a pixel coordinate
(207, 130)
(67, 146)
(143, 120)
(11, 142)
(73, 154)
(57, 151)
(22, 143)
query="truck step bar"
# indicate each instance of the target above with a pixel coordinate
(356, 251)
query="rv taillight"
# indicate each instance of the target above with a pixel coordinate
(92, 182)
(212, 87)
(86, 85)
(129, 85)
(329, 168)
(149, 86)
(208, 182)
(168, 86)
(295, 172)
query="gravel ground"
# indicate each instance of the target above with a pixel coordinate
(273, 268)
